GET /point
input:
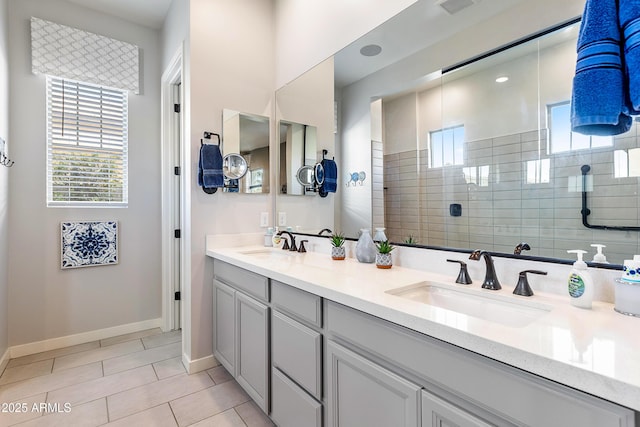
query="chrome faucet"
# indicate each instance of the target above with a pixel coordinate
(292, 240)
(328, 230)
(490, 279)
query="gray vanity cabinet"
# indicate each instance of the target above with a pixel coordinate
(224, 335)
(252, 348)
(440, 413)
(363, 393)
(296, 357)
(241, 328)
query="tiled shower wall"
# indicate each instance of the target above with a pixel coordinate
(504, 210)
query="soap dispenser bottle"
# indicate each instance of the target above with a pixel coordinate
(580, 284)
(599, 257)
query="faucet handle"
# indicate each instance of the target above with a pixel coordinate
(285, 245)
(302, 249)
(523, 288)
(463, 277)
(524, 246)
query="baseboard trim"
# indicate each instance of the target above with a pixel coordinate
(81, 338)
(199, 365)
(4, 360)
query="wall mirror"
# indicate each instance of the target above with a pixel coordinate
(246, 135)
(298, 155)
(481, 156)
(306, 125)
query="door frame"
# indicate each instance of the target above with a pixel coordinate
(172, 76)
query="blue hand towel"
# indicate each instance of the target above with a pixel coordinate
(330, 183)
(599, 101)
(210, 167)
(629, 16)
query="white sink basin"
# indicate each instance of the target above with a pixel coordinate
(507, 310)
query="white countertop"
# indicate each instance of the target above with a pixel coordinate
(596, 351)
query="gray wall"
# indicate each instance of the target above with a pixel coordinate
(47, 302)
(4, 177)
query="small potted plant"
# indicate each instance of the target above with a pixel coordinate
(383, 257)
(337, 250)
(411, 240)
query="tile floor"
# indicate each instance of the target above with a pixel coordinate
(130, 380)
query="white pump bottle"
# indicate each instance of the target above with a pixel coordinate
(580, 284)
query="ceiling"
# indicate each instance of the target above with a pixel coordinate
(149, 13)
(421, 25)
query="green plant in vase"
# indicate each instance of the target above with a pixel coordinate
(383, 257)
(337, 250)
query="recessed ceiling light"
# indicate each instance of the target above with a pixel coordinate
(502, 79)
(370, 50)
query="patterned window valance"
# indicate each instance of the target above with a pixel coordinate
(79, 55)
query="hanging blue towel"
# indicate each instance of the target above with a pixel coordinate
(599, 100)
(330, 183)
(210, 167)
(629, 16)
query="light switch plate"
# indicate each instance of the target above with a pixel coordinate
(264, 219)
(282, 219)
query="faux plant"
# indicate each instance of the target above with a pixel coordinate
(385, 247)
(337, 240)
(410, 240)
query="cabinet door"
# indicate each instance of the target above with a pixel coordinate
(224, 344)
(362, 393)
(439, 413)
(252, 351)
(291, 406)
(295, 350)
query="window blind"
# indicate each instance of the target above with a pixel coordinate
(86, 144)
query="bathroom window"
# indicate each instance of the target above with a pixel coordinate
(563, 139)
(86, 144)
(537, 171)
(478, 175)
(626, 163)
(447, 147)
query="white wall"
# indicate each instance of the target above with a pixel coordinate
(4, 178)
(175, 31)
(308, 32)
(232, 63)
(47, 302)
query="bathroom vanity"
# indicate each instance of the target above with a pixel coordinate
(337, 343)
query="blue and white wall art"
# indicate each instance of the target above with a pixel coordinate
(88, 244)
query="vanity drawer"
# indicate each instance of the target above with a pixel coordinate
(290, 405)
(247, 281)
(298, 303)
(296, 350)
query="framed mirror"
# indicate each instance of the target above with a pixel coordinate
(479, 154)
(245, 150)
(298, 153)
